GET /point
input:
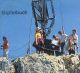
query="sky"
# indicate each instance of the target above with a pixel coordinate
(19, 29)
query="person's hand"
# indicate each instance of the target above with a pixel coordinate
(36, 43)
(1, 46)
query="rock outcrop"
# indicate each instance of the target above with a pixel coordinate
(5, 66)
(42, 63)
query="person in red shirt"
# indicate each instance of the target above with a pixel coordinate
(56, 42)
(5, 46)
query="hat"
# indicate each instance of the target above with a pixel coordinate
(38, 28)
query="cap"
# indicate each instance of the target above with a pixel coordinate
(38, 28)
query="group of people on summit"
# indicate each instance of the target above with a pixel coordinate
(63, 43)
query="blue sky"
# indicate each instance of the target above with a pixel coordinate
(17, 27)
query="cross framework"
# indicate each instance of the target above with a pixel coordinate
(44, 14)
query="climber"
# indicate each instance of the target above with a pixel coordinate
(63, 38)
(73, 42)
(5, 47)
(39, 40)
(55, 43)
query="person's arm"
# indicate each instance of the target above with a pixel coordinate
(77, 41)
(70, 42)
(1, 46)
(42, 38)
(65, 37)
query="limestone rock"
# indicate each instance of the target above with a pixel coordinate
(5, 67)
(41, 63)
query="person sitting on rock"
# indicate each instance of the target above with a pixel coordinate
(55, 43)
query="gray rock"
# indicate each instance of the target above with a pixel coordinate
(41, 63)
(5, 67)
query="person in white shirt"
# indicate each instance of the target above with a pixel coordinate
(73, 42)
(55, 42)
(63, 38)
(55, 45)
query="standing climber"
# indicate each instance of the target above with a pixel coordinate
(39, 40)
(73, 42)
(5, 47)
(63, 38)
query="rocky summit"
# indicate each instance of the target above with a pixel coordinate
(41, 63)
(5, 66)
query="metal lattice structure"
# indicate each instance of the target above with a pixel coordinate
(44, 15)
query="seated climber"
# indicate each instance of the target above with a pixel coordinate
(55, 43)
(39, 40)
